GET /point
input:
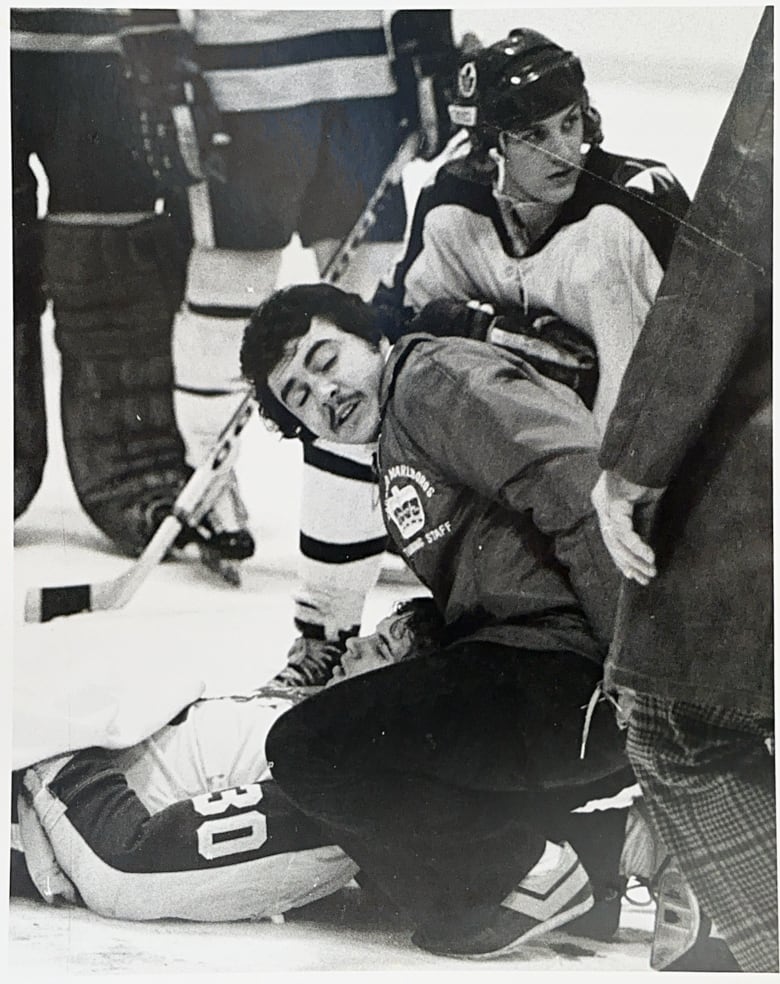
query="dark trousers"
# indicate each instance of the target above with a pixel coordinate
(442, 776)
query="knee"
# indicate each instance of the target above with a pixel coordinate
(300, 754)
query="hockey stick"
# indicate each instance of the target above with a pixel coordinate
(392, 175)
(192, 503)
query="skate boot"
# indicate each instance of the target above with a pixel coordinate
(310, 663)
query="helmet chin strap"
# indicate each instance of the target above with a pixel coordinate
(500, 161)
(499, 183)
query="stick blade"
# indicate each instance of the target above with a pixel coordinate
(44, 604)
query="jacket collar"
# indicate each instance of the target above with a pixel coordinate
(399, 353)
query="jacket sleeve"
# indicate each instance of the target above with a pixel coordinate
(705, 313)
(529, 443)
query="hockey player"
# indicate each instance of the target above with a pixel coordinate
(315, 104)
(188, 823)
(485, 468)
(538, 215)
(537, 218)
(113, 263)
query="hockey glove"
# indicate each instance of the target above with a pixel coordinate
(310, 663)
(425, 62)
(551, 345)
(178, 128)
(463, 319)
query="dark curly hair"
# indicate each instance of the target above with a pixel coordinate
(425, 623)
(285, 317)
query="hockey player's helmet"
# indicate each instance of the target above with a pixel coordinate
(518, 81)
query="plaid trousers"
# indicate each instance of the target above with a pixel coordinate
(708, 778)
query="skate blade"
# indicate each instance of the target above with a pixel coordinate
(228, 570)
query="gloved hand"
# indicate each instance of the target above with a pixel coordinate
(310, 663)
(554, 347)
(165, 79)
(463, 319)
(551, 345)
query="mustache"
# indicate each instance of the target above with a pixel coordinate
(334, 408)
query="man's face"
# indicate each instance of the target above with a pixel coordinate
(543, 162)
(329, 379)
(391, 642)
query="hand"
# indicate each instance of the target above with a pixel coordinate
(310, 663)
(164, 78)
(614, 499)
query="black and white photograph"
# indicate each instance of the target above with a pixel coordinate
(392, 564)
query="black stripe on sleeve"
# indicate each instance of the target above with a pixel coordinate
(334, 464)
(341, 553)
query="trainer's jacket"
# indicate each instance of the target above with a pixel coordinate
(598, 266)
(485, 471)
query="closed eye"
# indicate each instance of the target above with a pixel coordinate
(322, 357)
(299, 397)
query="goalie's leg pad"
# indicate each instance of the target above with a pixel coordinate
(30, 447)
(115, 289)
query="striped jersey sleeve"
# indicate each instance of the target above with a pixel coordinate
(342, 539)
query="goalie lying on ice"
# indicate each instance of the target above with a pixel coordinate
(188, 823)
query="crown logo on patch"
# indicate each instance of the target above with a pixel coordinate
(405, 509)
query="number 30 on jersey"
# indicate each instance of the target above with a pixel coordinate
(245, 830)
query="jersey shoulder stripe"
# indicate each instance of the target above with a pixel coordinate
(462, 185)
(645, 190)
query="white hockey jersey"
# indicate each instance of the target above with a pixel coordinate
(598, 266)
(187, 824)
